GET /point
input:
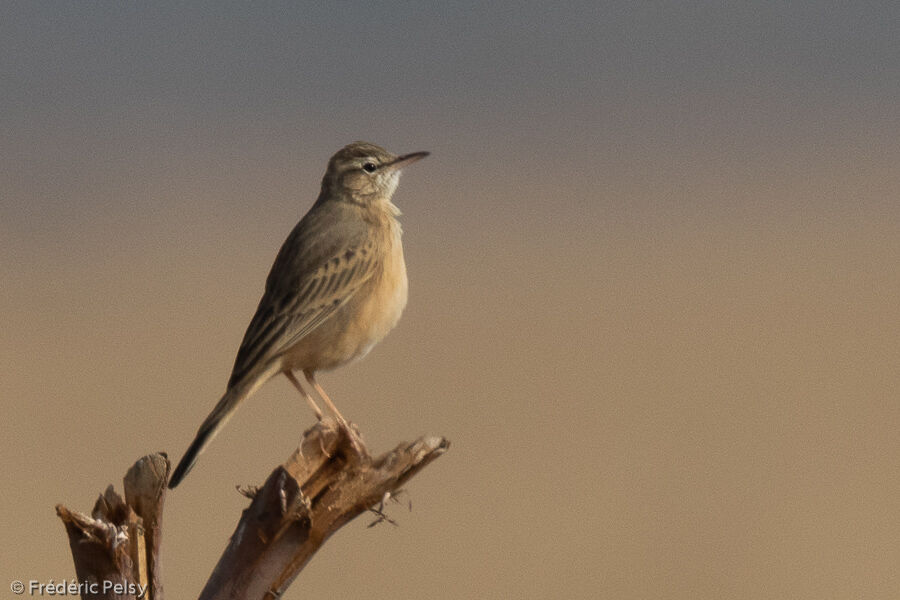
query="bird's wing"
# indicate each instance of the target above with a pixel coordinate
(295, 305)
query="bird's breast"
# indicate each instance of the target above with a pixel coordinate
(379, 310)
(363, 321)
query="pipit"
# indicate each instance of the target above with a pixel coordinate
(337, 287)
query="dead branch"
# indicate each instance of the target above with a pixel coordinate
(327, 481)
(116, 549)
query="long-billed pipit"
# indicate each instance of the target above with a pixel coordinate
(336, 289)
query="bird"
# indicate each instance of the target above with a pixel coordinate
(337, 287)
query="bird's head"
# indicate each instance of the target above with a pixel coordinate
(366, 173)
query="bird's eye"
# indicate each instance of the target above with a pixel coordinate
(369, 167)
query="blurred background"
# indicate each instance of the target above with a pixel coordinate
(653, 284)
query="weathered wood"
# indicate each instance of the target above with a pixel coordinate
(116, 549)
(329, 480)
(145, 493)
(326, 482)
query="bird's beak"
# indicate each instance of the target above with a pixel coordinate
(407, 159)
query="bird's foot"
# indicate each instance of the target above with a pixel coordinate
(355, 438)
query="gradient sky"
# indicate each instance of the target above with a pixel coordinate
(653, 284)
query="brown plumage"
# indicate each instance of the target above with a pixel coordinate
(337, 287)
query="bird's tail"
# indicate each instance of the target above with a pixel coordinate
(217, 419)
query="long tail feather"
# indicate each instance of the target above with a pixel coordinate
(217, 419)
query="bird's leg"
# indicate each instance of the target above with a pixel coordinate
(305, 394)
(354, 438)
(311, 378)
